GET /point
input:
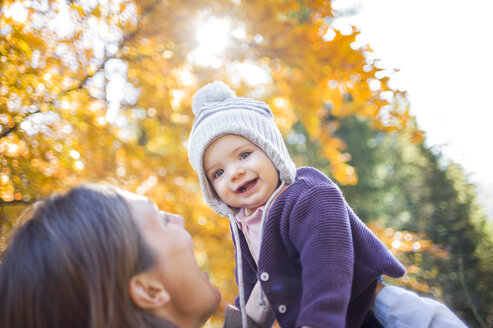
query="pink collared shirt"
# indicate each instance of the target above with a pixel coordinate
(250, 226)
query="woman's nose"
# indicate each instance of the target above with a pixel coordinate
(176, 219)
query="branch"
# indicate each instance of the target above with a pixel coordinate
(468, 295)
(12, 128)
(80, 85)
(15, 203)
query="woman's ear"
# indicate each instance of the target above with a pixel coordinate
(147, 292)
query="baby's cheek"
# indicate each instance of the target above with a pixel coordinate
(220, 190)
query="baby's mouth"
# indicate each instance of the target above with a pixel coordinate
(247, 186)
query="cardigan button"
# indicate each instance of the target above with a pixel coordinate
(264, 276)
(282, 308)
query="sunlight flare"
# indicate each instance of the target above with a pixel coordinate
(213, 37)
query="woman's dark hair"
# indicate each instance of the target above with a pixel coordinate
(70, 264)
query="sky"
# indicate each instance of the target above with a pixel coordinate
(444, 52)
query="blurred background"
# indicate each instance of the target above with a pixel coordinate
(441, 50)
(100, 90)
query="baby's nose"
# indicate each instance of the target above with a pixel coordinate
(237, 172)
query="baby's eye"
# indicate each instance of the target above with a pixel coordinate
(217, 174)
(245, 155)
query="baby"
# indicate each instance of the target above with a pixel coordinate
(300, 249)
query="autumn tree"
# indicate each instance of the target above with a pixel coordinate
(101, 91)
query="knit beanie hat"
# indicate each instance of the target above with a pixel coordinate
(218, 111)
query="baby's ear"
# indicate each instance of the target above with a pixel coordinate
(147, 292)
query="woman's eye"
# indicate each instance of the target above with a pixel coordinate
(217, 174)
(245, 155)
(164, 218)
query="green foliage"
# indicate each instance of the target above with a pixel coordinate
(412, 188)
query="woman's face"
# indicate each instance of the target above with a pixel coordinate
(188, 286)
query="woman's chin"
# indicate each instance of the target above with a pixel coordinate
(214, 303)
(215, 293)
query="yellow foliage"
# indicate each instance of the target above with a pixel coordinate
(402, 243)
(74, 110)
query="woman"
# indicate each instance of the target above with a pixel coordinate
(101, 257)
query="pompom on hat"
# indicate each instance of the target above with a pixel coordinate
(218, 111)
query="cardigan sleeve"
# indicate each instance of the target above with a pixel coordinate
(319, 229)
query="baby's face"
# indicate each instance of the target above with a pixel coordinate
(242, 175)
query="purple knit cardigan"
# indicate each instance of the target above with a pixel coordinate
(318, 262)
